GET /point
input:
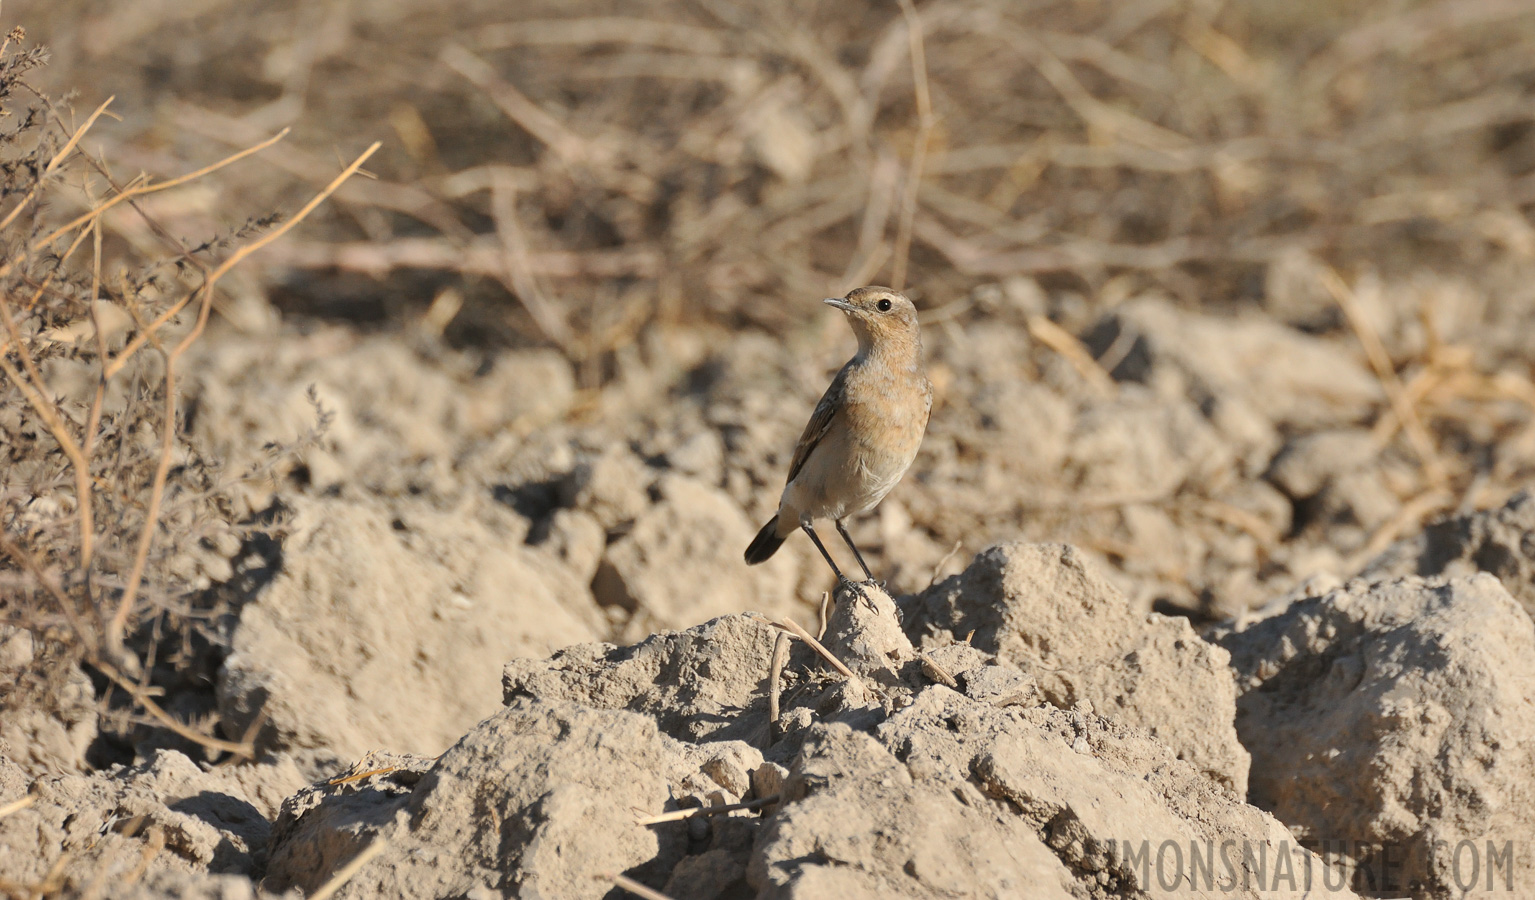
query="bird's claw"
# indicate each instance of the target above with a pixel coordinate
(858, 588)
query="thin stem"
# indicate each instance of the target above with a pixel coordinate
(119, 621)
(925, 124)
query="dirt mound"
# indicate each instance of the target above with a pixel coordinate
(693, 683)
(165, 816)
(534, 801)
(679, 561)
(924, 773)
(1046, 610)
(387, 623)
(1069, 748)
(1500, 541)
(1399, 714)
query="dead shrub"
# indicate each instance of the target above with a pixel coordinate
(111, 519)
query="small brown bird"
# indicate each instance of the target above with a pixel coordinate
(865, 431)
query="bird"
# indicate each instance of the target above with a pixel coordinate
(863, 434)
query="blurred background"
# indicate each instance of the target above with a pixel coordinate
(1232, 295)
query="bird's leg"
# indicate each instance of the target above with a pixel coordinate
(842, 580)
(859, 556)
(822, 547)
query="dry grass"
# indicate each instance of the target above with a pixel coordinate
(101, 496)
(609, 169)
(574, 175)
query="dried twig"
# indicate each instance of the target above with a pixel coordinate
(17, 805)
(517, 268)
(938, 673)
(1063, 342)
(570, 147)
(406, 199)
(139, 191)
(872, 251)
(344, 779)
(587, 30)
(925, 122)
(775, 678)
(50, 584)
(633, 887)
(1380, 361)
(54, 163)
(816, 645)
(481, 257)
(119, 620)
(140, 695)
(938, 566)
(353, 866)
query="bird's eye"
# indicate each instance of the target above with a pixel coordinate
(883, 305)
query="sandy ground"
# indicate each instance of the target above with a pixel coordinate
(1218, 533)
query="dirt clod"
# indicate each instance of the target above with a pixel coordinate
(1399, 713)
(1047, 610)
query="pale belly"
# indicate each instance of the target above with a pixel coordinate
(845, 476)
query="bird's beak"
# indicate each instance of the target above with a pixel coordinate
(841, 304)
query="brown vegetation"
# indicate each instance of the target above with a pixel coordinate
(102, 495)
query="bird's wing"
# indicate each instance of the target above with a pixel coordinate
(819, 424)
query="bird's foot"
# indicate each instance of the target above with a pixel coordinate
(844, 581)
(858, 590)
(846, 585)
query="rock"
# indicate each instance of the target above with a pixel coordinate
(503, 395)
(1135, 446)
(1025, 421)
(578, 540)
(1290, 378)
(1106, 800)
(767, 779)
(899, 787)
(730, 765)
(325, 825)
(1295, 292)
(1500, 541)
(1307, 464)
(1400, 714)
(696, 684)
(168, 885)
(386, 624)
(680, 563)
(50, 732)
(864, 633)
(201, 821)
(1044, 609)
(14, 780)
(856, 823)
(1340, 484)
(702, 455)
(535, 801)
(612, 487)
(396, 417)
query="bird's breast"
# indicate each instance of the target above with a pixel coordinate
(875, 435)
(887, 418)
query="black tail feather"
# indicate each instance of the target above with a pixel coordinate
(765, 544)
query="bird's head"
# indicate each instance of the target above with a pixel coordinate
(879, 316)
